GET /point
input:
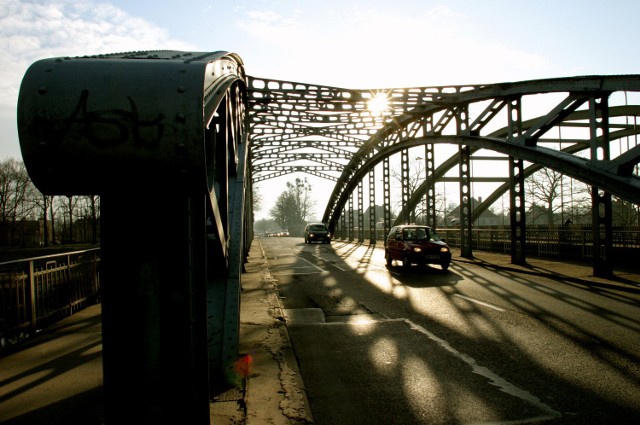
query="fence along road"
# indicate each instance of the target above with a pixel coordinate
(34, 292)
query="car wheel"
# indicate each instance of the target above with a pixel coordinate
(388, 258)
(445, 266)
(405, 261)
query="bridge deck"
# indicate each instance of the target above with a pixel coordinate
(57, 377)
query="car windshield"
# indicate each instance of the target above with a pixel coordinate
(419, 234)
(317, 227)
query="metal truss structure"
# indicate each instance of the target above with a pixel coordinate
(161, 137)
(174, 141)
(519, 123)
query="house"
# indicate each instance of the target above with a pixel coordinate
(487, 218)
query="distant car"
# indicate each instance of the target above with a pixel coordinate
(316, 232)
(416, 244)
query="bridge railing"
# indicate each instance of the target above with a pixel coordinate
(36, 291)
(565, 243)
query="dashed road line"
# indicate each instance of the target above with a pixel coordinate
(473, 300)
(504, 385)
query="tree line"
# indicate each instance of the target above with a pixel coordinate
(30, 218)
(550, 199)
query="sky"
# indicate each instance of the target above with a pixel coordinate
(364, 44)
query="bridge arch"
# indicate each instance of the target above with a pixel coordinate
(578, 168)
(422, 126)
(532, 168)
(185, 135)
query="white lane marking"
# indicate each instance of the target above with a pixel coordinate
(289, 267)
(333, 264)
(320, 269)
(275, 273)
(479, 302)
(504, 385)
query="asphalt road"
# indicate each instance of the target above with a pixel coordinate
(384, 345)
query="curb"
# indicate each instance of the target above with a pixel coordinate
(275, 392)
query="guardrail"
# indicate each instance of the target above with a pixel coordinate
(564, 243)
(37, 291)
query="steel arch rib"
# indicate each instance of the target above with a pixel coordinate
(626, 187)
(577, 86)
(634, 155)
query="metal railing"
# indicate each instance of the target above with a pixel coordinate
(37, 291)
(564, 243)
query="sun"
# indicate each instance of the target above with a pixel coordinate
(378, 104)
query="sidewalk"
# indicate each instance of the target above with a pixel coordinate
(56, 378)
(274, 390)
(581, 273)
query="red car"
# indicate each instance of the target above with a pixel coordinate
(416, 244)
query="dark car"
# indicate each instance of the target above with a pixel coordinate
(316, 232)
(415, 244)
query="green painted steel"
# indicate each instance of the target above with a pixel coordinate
(161, 137)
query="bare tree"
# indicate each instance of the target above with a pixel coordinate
(548, 192)
(15, 191)
(86, 213)
(257, 199)
(625, 213)
(16, 195)
(416, 178)
(444, 208)
(53, 209)
(294, 206)
(6, 190)
(68, 206)
(543, 190)
(417, 173)
(94, 202)
(44, 204)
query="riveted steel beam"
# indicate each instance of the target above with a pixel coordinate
(405, 185)
(360, 212)
(464, 170)
(386, 189)
(161, 137)
(372, 206)
(517, 210)
(601, 208)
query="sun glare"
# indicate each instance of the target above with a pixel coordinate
(378, 104)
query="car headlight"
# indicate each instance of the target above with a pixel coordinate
(444, 249)
(417, 249)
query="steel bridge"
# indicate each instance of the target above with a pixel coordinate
(174, 141)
